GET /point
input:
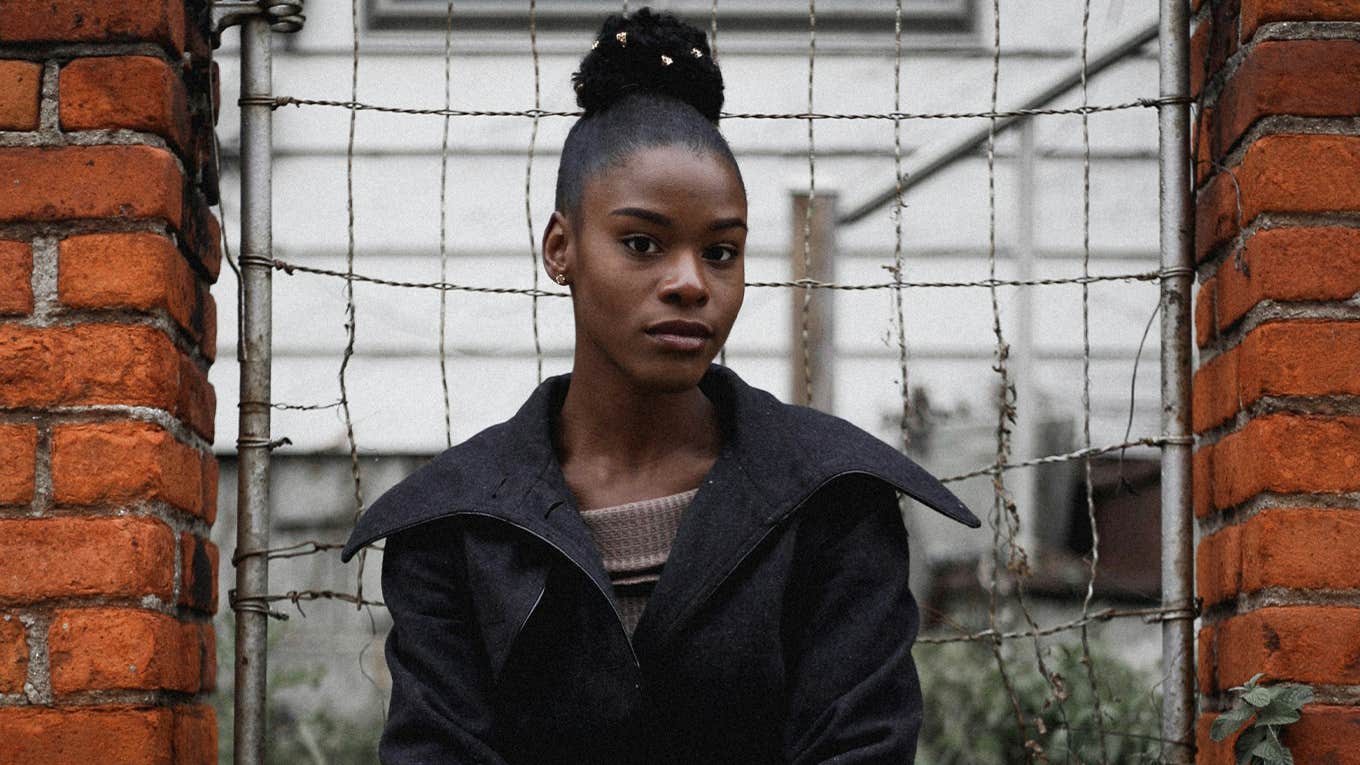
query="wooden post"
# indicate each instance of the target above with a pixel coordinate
(812, 358)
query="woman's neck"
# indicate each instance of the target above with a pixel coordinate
(618, 444)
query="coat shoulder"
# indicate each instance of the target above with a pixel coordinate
(460, 476)
(838, 447)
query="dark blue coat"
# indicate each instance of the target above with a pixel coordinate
(780, 631)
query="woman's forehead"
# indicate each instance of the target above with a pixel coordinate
(667, 175)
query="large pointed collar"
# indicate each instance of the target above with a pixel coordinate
(776, 452)
(788, 451)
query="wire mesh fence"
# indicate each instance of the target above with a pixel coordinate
(1033, 651)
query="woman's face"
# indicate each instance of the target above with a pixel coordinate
(654, 256)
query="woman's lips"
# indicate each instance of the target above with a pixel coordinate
(687, 336)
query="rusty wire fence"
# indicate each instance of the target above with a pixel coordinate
(1015, 666)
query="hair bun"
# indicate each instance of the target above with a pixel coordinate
(653, 53)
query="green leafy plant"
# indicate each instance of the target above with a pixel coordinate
(1268, 708)
(970, 718)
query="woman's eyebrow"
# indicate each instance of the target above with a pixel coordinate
(650, 216)
(653, 216)
(723, 223)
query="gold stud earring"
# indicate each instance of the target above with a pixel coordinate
(560, 278)
(695, 52)
(595, 45)
(622, 37)
(666, 60)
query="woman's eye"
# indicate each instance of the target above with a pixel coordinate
(642, 245)
(721, 253)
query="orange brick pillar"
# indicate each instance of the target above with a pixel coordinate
(107, 480)
(1277, 392)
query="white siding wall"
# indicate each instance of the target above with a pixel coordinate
(395, 380)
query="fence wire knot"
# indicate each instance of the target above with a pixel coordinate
(259, 261)
(1186, 613)
(246, 442)
(256, 604)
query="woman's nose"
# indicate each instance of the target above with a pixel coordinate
(685, 282)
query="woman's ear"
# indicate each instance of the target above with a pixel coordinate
(558, 249)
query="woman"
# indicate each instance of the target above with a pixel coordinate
(518, 564)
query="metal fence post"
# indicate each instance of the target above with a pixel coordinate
(249, 598)
(1177, 275)
(252, 505)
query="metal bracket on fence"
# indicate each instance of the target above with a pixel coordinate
(284, 15)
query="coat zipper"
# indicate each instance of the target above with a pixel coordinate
(618, 618)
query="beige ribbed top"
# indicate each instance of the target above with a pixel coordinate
(634, 539)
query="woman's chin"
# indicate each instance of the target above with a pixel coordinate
(674, 375)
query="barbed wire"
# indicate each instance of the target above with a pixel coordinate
(894, 116)
(528, 192)
(898, 268)
(304, 407)
(1001, 466)
(259, 603)
(1088, 486)
(1004, 520)
(444, 226)
(301, 549)
(1144, 276)
(351, 310)
(1151, 614)
(314, 547)
(1141, 276)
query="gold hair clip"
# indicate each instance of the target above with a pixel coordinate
(622, 37)
(695, 52)
(666, 60)
(595, 45)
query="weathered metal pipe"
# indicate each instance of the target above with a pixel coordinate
(253, 443)
(1177, 237)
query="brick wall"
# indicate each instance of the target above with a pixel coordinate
(1277, 391)
(107, 481)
